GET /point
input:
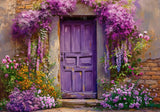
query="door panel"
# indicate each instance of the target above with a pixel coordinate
(67, 38)
(78, 59)
(76, 42)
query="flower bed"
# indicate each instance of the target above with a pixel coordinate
(29, 90)
(127, 96)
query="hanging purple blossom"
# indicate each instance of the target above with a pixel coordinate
(60, 7)
(29, 48)
(37, 64)
(41, 54)
(119, 22)
(118, 58)
(25, 23)
(38, 53)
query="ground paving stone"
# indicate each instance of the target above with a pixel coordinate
(64, 109)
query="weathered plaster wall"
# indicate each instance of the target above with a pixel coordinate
(100, 53)
(148, 11)
(7, 11)
(54, 50)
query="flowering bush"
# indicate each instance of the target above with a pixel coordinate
(127, 96)
(24, 101)
(25, 24)
(119, 22)
(47, 101)
(126, 62)
(9, 69)
(39, 80)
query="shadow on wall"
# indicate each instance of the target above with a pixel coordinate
(3, 93)
(7, 46)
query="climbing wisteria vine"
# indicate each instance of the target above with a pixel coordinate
(116, 18)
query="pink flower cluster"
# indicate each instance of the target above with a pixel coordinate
(9, 64)
(144, 36)
(134, 72)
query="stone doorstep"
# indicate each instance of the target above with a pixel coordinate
(78, 103)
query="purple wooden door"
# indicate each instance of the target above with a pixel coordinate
(78, 59)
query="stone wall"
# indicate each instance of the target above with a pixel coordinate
(151, 77)
(24, 5)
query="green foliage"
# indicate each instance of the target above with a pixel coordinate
(3, 104)
(8, 70)
(153, 105)
(132, 67)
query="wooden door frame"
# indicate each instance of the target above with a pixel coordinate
(91, 18)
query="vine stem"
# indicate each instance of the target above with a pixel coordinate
(41, 54)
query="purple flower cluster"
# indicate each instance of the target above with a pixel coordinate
(119, 54)
(119, 22)
(91, 3)
(127, 96)
(59, 7)
(24, 101)
(47, 102)
(28, 22)
(25, 24)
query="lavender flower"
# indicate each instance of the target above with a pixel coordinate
(118, 58)
(121, 97)
(24, 101)
(47, 102)
(121, 105)
(131, 106)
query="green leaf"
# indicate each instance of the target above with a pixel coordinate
(139, 59)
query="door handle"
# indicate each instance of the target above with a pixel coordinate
(61, 58)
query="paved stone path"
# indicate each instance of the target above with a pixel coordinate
(63, 109)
